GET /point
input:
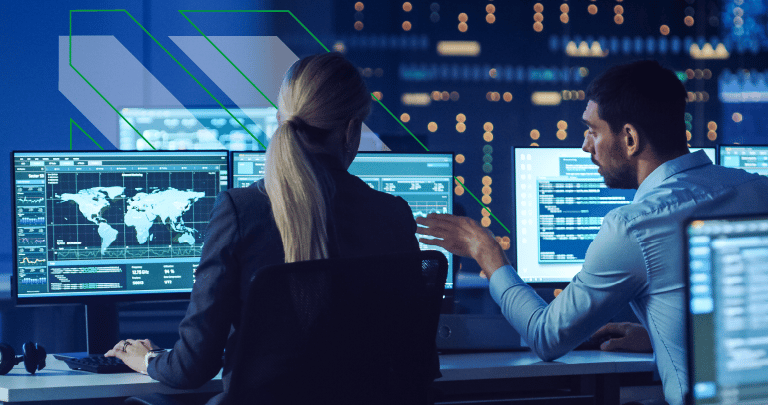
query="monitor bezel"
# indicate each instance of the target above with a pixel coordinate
(95, 298)
(687, 283)
(231, 170)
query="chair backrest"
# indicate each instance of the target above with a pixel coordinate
(341, 331)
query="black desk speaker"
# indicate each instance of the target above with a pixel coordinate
(477, 332)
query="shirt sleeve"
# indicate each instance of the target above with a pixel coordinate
(612, 275)
(197, 355)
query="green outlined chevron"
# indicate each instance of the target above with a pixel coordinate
(169, 54)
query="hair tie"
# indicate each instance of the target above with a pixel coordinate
(312, 132)
(297, 123)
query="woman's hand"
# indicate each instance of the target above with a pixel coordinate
(132, 353)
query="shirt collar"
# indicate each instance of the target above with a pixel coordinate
(669, 169)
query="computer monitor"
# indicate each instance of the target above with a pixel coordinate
(727, 261)
(752, 158)
(560, 201)
(424, 180)
(196, 128)
(111, 226)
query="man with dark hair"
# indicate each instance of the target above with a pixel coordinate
(649, 97)
(637, 139)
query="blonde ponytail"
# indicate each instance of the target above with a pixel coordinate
(320, 96)
(298, 202)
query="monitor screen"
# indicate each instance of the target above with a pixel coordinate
(424, 180)
(727, 259)
(196, 128)
(560, 201)
(753, 159)
(113, 223)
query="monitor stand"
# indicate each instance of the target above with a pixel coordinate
(102, 330)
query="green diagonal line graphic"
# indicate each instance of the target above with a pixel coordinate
(258, 11)
(110, 104)
(182, 12)
(169, 54)
(71, 121)
(89, 83)
(481, 203)
(425, 148)
(401, 123)
(310, 32)
(225, 56)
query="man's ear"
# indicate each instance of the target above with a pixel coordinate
(632, 141)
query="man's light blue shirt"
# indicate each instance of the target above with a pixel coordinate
(636, 258)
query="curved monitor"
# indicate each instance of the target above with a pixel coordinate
(111, 225)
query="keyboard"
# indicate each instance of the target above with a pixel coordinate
(96, 364)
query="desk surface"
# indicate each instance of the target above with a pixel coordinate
(478, 366)
(57, 382)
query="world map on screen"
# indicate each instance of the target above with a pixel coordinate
(141, 211)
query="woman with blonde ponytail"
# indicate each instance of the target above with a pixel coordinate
(307, 207)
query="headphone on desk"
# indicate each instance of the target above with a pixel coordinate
(33, 357)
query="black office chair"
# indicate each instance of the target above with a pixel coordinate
(341, 331)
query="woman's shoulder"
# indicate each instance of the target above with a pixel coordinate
(356, 195)
(248, 198)
(255, 191)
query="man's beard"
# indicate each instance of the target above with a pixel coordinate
(620, 176)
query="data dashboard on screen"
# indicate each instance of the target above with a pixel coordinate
(424, 181)
(752, 158)
(560, 201)
(111, 223)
